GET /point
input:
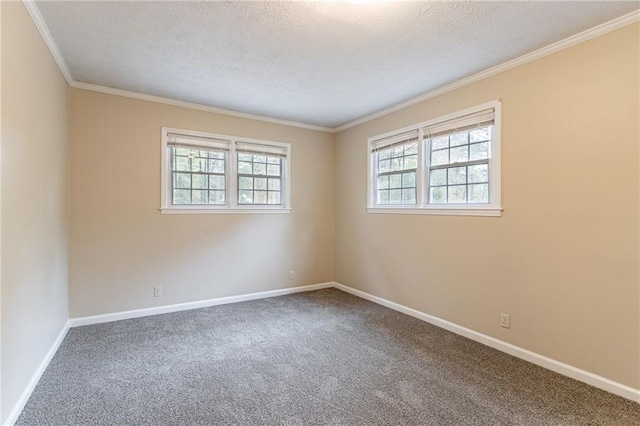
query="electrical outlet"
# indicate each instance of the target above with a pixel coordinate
(505, 320)
(290, 275)
(157, 291)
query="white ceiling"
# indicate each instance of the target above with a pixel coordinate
(322, 63)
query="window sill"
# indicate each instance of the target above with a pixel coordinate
(439, 211)
(238, 210)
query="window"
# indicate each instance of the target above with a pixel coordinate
(260, 178)
(198, 176)
(396, 168)
(450, 165)
(207, 173)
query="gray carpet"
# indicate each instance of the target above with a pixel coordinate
(322, 357)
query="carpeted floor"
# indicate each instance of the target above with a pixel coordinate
(322, 357)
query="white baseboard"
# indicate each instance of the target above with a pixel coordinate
(97, 319)
(527, 355)
(541, 360)
(26, 393)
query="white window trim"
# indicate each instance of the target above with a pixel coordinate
(493, 208)
(232, 206)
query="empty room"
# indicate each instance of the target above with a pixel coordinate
(320, 213)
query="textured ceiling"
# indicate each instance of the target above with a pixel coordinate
(323, 63)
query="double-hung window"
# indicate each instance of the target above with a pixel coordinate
(260, 174)
(396, 167)
(209, 173)
(449, 165)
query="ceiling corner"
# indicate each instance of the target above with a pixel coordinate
(38, 20)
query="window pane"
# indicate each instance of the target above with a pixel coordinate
(181, 164)
(245, 157)
(245, 197)
(438, 195)
(384, 166)
(273, 170)
(408, 196)
(397, 164)
(479, 151)
(259, 159)
(440, 157)
(274, 184)
(245, 182)
(457, 175)
(395, 196)
(398, 151)
(216, 166)
(411, 148)
(440, 142)
(182, 180)
(438, 177)
(182, 151)
(383, 182)
(409, 180)
(245, 168)
(199, 197)
(383, 197)
(384, 154)
(395, 181)
(459, 138)
(273, 197)
(479, 135)
(273, 160)
(479, 193)
(216, 182)
(181, 196)
(260, 197)
(199, 181)
(199, 164)
(457, 194)
(411, 162)
(216, 197)
(479, 173)
(459, 154)
(260, 183)
(259, 169)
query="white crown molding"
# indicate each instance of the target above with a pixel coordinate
(525, 354)
(38, 20)
(589, 34)
(41, 25)
(191, 105)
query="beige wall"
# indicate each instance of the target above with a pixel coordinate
(120, 244)
(563, 259)
(34, 201)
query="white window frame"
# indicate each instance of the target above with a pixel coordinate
(231, 174)
(493, 208)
